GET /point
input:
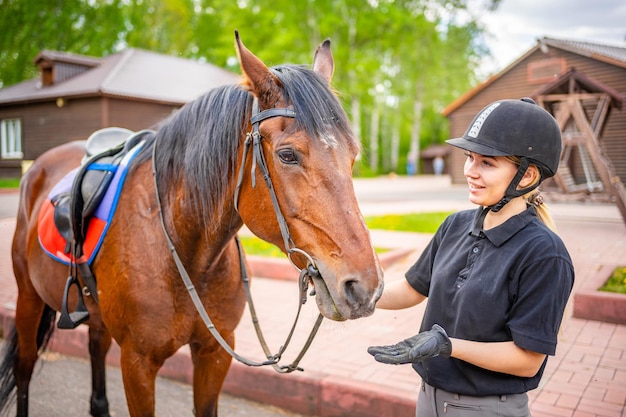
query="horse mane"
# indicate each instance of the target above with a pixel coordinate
(197, 146)
(318, 111)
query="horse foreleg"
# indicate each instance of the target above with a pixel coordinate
(210, 366)
(99, 344)
(139, 375)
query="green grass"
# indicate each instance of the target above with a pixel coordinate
(255, 246)
(9, 182)
(258, 247)
(617, 282)
(416, 222)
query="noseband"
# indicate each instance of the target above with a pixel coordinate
(253, 138)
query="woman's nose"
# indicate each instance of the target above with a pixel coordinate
(469, 169)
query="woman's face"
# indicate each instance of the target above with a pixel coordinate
(488, 177)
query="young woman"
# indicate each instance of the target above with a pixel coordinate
(497, 279)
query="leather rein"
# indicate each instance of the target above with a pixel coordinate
(253, 138)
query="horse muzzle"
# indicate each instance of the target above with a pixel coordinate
(348, 299)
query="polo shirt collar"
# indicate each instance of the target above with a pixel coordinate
(500, 234)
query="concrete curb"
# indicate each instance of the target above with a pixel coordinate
(592, 304)
(309, 393)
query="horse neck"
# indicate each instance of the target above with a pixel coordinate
(194, 234)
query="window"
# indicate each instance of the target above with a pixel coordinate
(11, 136)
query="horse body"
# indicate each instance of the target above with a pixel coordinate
(152, 293)
(143, 303)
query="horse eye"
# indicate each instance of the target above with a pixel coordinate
(288, 156)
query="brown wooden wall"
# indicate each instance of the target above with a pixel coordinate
(514, 84)
(137, 115)
(46, 125)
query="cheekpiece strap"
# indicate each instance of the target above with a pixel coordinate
(512, 191)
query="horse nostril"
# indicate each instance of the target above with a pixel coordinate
(354, 293)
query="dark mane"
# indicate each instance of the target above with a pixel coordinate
(198, 145)
(318, 111)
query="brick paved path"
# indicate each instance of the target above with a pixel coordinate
(586, 378)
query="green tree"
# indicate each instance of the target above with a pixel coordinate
(165, 26)
(89, 28)
(399, 62)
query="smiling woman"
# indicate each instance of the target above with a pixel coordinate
(490, 275)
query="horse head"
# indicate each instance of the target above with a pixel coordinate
(309, 203)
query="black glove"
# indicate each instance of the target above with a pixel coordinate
(424, 345)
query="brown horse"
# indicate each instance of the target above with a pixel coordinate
(194, 198)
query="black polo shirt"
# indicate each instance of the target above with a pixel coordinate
(510, 283)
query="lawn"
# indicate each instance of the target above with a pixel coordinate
(414, 222)
(9, 182)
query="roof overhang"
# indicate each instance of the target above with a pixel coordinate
(542, 44)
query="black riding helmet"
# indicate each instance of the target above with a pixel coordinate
(515, 128)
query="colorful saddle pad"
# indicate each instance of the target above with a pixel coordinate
(51, 240)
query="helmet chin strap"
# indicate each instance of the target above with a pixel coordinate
(511, 192)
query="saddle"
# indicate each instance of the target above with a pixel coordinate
(74, 209)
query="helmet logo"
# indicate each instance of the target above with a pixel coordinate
(478, 123)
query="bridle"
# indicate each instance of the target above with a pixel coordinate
(254, 138)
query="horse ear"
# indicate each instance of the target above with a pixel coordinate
(323, 62)
(258, 77)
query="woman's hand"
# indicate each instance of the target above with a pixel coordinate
(424, 345)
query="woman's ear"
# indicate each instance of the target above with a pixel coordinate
(531, 177)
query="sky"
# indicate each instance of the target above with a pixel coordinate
(516, 25)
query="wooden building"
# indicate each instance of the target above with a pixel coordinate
(75, 95)
(594, 73)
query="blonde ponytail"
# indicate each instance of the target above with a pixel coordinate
(534, 198)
